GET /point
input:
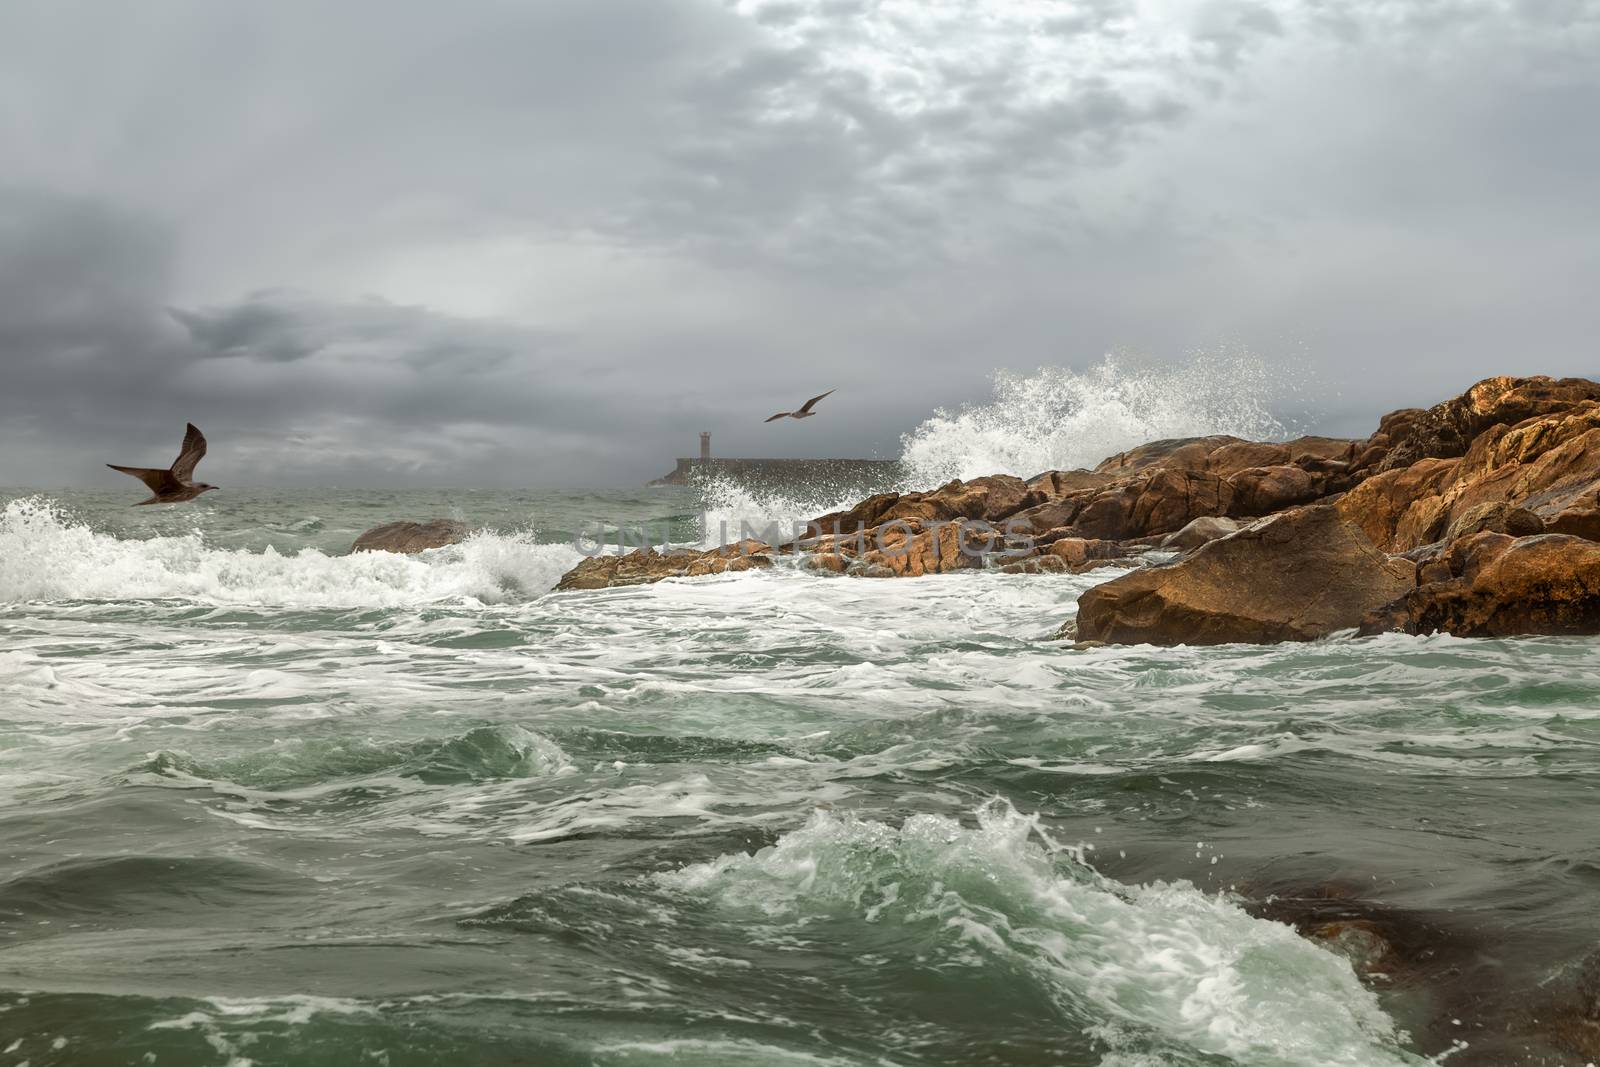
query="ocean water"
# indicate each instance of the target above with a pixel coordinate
(263, 802)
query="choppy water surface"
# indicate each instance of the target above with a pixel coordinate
(267, 803)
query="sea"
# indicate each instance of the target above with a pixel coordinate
(264, 802)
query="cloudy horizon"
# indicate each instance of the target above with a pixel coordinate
(548, 243)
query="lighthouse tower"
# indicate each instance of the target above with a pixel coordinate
(705, 446)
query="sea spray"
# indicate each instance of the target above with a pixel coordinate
(1061, 419)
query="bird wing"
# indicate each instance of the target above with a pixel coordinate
(779, 415)
(157, 480)
(193, 451)
(813, 400)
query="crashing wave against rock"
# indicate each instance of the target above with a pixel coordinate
(1478, 516)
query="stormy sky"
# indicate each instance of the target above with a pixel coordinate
(547, 242)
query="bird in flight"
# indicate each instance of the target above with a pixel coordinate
(805, 411)
(174, 485)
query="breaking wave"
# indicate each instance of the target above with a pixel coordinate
(1161, 970)
(46, 555)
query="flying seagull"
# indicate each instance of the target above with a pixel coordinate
(805, 411)
(173, 486)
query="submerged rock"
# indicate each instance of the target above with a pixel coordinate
(407, 537)
(1295, 576)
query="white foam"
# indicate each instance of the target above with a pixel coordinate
(46, 556)
(1184, 969)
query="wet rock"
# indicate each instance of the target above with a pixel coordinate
(647, 565)
(1201, 531)
(1038, 565)
(407, 537)
(1295, 576)
(1502, 586)
(830, 562)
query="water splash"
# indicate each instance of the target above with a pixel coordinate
(1054, 419)
(1061, 419)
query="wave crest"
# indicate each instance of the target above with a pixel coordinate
(1163, 967)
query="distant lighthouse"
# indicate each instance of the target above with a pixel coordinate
(705, 446)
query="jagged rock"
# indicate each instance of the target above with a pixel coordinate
(1502, 586)
(643, 566)
(1223, 455)
(1201, 531)
(1401, 509)
(1180, 453)
(1547, 465)
(990, 499)
(1495, 517)
(1263, 490)
(906, 549)
(1447, 430)
(1057, 484)
(1295, 576)
(407, 537)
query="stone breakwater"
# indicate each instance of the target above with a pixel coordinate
(1479, 516)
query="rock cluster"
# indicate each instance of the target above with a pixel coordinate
(1478, 516)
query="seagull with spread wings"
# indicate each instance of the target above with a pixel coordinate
(174, 485)
(805, 411)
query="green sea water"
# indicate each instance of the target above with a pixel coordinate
(263, 802)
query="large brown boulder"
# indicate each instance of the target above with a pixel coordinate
(646, 565)
(1500, 586)
(406, 537)
(1295, 576)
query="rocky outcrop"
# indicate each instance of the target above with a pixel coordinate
(1495, 585)
(1448, 429)
(647, 565)
(1511, 458)
(406, 537)
(1295, 576)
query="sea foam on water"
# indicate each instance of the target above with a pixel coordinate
(47, 555)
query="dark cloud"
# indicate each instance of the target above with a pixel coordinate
(551, 242)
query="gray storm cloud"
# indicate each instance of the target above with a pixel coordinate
(537, 244)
